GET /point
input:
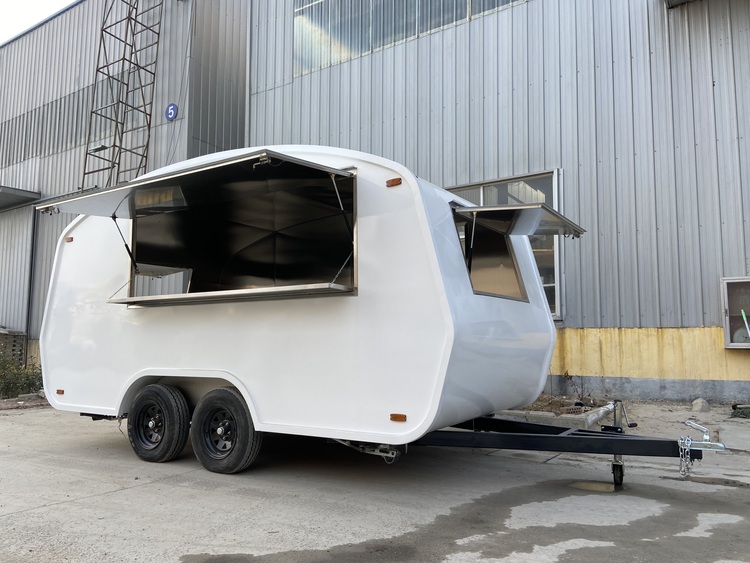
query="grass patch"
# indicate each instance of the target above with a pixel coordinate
(17, 379)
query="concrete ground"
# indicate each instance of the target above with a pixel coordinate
(72, 490)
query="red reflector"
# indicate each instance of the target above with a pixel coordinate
(68, 239)
(61, 391)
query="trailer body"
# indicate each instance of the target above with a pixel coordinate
(332, 289)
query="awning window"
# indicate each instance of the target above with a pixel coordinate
(216, 180)
(261, 226)
(525, 219)
(488, 249)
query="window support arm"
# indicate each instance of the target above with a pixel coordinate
(343, 211)
(127, 246)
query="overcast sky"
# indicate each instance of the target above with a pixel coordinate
(17, 17)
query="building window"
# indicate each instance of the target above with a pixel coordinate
(328, 32)
(540, 188)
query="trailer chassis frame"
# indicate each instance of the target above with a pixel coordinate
(492, 432)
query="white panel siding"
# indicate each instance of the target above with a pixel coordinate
(644, 247)
(606, 176)
(551, 89)
(642, 109)
(518, 80)
(570, 171)
(536, 99)
(740, 33)
(725, 85)
(626, 203)
(15, 259)
(665, 169)
(687, 236)
(589, 313)
(500, 163)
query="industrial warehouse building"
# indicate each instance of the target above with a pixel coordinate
(631, 118)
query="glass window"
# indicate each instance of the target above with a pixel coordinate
(328, 32)
(481, 6)
(392, 21)
(489, 259)
(529, 189)
(434, 14)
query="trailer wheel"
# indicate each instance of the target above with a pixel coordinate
(223, 437)
(618, 474)
(158, 423)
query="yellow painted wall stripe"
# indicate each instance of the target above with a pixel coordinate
(660, 353)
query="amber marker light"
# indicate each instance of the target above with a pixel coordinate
(393, 182)
(398, 417)
(68, 239)
(61, 391)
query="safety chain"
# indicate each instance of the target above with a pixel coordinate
(685, 462)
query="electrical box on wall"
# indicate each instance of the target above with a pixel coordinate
(735, 293)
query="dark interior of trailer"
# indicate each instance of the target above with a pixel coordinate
(255, 224)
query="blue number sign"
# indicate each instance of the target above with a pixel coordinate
(171, 112)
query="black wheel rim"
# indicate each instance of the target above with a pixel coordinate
(149, 425)
(219, 433)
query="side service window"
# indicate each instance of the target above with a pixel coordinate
(489, 259)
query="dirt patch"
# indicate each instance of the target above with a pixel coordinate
(654, 418)
(563, 404)
(31, 403)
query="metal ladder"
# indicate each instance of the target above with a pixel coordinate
(119, 125)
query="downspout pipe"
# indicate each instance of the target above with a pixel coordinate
(30, 288)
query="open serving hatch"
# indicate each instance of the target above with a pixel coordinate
(490, 258)
(523, 219)
(262, 225)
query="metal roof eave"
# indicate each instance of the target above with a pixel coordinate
(11, 198)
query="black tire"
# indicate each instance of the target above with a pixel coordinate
(158, 423)
(618, 474)
(223, 436)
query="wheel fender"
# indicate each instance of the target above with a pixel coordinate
(154, 375)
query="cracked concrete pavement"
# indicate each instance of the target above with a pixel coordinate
(72, 490)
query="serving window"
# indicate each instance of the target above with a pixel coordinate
(488, 251)
(489, 258)
(262, 227)
(258, 226)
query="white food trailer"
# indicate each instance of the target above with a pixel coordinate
(293, 289)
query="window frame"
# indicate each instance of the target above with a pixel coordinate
(218, 181)
(329, 50)
(556, 176)
(458, 215)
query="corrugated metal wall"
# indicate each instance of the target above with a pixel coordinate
(15, 234)
(218, 97)
(643, 109)
(169, 139)
(43, 120)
